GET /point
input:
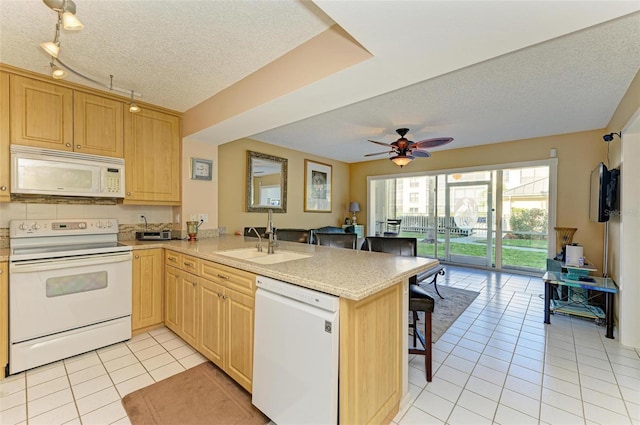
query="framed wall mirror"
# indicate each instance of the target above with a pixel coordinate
(266, 183)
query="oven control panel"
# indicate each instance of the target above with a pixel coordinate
(83, 226)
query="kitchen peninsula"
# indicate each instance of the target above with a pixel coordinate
(373, 310)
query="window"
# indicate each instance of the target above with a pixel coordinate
(414, 197)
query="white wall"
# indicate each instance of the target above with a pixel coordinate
(629, 270)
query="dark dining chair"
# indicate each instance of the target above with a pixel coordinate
(393, 227)
(337, 240)
(419, 299)
(293, 235)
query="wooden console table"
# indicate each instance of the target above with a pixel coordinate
(600, 284)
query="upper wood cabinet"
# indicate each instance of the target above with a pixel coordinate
(152, 157)
(98, 126)
(5, 175)
(55, 117)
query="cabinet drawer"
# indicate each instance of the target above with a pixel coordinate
(189, 263)
(237, 279)
(172, 258)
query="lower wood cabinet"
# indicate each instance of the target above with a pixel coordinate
(147, 288)
(213, 311)
(226, 330)
(4, 317)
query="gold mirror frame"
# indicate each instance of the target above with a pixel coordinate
(260, 168)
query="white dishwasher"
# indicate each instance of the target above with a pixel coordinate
(295, 354)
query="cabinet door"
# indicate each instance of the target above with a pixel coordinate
(239, 334)
(152, 155)
(172, 299)
(190, 313)
(4, 317)
(5, 182)
(98, 127)
(41, 114)
(147, 288)
(211, 321)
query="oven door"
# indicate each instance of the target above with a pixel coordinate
(56, 295)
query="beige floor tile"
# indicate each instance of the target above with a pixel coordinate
(50, 402)
(134, 384)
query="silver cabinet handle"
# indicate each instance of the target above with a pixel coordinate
(68, 145)
(78, 146)
(219, 293)
(172, 259)
(128, 193)
(3, 188)
(1, 271)
(221, 276)
(137, 256)
(194, 284)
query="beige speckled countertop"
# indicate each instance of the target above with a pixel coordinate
(347, 273)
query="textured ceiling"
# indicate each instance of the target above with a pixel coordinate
(569, 84)
(176, 53)
(480, 71)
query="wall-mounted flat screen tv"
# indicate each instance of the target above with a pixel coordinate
(603, 193)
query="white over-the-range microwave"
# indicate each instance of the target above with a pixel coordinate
(37, 171)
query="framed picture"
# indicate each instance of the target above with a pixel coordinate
(317, 186)
(201, 169)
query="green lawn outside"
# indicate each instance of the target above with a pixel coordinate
(512, 254)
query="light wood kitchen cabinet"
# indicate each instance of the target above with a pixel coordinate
(172, 298)
(98, 125)
(211, 318)
(5, 158)
(152, 154)
(148, 266)
(190, 309)
(4, 317)
(181, 296)
(226, 328)
(52, 116)
(211, 306)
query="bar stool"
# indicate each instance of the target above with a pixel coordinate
(419, 300)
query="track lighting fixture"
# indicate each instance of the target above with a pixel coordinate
(609, 137)
(132, 106)
(57, 72)
(66, 11)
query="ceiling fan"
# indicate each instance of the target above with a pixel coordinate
(406, 151)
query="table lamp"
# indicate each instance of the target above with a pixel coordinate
(354, 207)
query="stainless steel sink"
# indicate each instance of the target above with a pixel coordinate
(255, 256)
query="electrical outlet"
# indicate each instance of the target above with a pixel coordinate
(203, 217)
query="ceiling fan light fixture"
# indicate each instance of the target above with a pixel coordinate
(402, 160)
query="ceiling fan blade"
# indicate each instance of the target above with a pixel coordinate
(380, 143)
(422, 154)
(379, 153)
(432, 143)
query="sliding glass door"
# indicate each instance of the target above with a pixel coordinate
(468, 219)
(487, 218)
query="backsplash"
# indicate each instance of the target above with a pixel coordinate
(127, 232)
